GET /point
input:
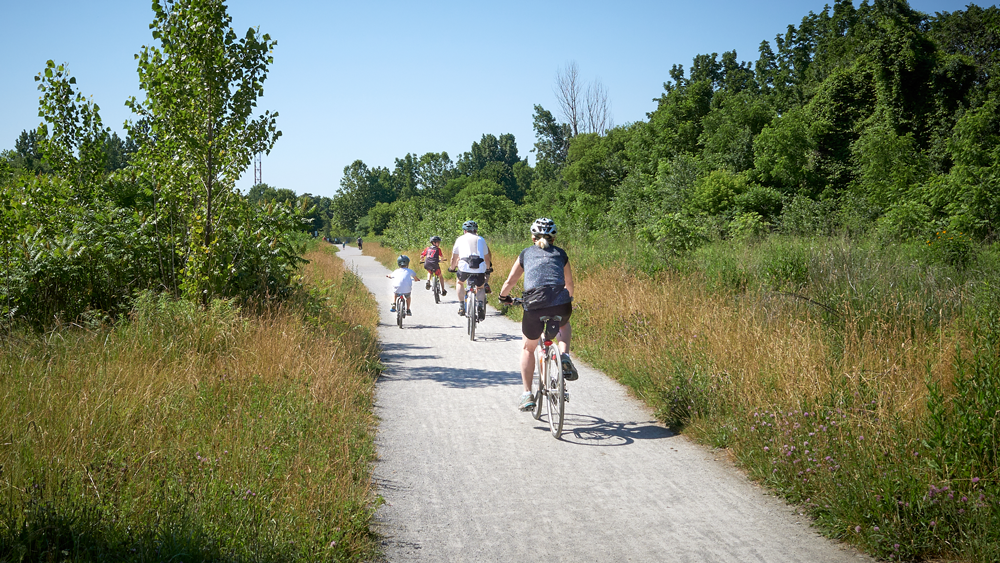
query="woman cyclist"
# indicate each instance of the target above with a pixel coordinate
(548, 291)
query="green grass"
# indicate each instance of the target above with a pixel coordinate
(179, 434)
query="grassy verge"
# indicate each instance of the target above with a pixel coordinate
(187, 435)
(861, 384)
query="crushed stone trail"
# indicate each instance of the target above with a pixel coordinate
(467, 477)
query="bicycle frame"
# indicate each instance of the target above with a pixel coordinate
(549, 386)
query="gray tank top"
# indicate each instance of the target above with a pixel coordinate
(544, 268)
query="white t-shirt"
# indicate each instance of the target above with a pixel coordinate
(470, 244)
(402, 280)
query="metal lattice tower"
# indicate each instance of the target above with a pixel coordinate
(256, 170)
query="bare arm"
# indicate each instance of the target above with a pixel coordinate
(515, 274)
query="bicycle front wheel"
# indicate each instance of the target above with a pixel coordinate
(556, 391)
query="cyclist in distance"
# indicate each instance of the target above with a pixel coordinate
(431, 257)
(402, 282)
(359, 243)
(471, 258)
(548, 291)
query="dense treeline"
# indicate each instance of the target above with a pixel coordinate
(90, 219)
(871, 119)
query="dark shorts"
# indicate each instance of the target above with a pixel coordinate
(475, 280)
(436, 269)
(531, 322)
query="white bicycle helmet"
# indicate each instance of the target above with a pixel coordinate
(543, 226)
(470, 226)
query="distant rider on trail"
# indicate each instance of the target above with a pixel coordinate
(431, 257)
(471, 258)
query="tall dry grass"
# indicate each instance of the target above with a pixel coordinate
(828, 405)
(777, 349)
(183, 433)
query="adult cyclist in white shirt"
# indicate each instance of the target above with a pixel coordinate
(471, 258)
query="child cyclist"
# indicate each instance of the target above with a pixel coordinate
(431, 257)
(402, 282)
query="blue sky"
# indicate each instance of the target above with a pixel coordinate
(375, 80)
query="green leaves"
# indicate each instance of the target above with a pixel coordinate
(202, 85)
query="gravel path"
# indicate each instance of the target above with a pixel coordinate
(468, 477)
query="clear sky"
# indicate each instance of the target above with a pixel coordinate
(374, 80)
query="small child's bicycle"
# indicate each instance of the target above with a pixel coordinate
(549, 386)
(437, 289)
(400, 309)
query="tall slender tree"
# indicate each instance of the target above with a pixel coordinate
(202, 84)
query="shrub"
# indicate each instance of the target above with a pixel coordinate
(676, 233)
(806, 216)
(762, 200)
(715, 194)
(748, 226)
(903, 221)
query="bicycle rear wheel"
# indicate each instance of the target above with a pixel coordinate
(437, 290)
(539, 385)
(400, 311)
(471, 316)
(556, 391)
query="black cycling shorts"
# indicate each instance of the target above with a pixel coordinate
(531, 322)
(474, 279)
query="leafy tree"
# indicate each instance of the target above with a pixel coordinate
(118, 152)
(71, 137)
(888, 165)
(973, 33)
(28, 152)
(551, 144)
(715, 194)
(730, 127)
(433, 171)
(361, 188)
(677, 121)
(595, 165)
(485, 202)
(784, 153)
(493, 159)
(404, 177)
(202, 85)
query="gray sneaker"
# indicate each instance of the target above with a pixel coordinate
(527, 401)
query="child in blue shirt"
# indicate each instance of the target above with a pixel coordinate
(402, 282)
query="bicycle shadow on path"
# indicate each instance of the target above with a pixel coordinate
(586, 430)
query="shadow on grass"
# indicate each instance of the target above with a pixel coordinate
(78, 531)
